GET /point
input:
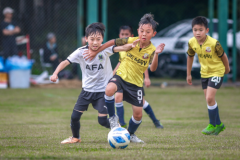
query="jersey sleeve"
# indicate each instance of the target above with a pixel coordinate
(109, 51)
(190, 51)
(219, 50)
(75, 56)
(121, 41)
(151, 57)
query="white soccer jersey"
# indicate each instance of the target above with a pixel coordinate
(95, 73)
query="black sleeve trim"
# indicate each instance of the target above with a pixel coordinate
(113, 49)
(69, 61)
(221, 55)
(190, 55)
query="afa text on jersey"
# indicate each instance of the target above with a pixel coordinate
(138, 60)
(94, 66)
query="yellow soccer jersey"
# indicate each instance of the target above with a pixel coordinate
(122, 54)
(135, 62)
(209, 55)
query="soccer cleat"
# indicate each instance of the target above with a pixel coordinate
(124, 126)
(158, 124)
(208, 130)
(71, 140)
(135, 139)
(114, 122)
(218, 129)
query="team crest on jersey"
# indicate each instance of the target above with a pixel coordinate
(208, 49)
(145, 56)
(100, 57)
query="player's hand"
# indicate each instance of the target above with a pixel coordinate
(89, 54)
(147, 82)
(189, 79)
(54, 78)
(227, 70)
(160, 48)
(135, 43)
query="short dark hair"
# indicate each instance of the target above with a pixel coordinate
(95, 28)
(126, 27)
(148, 19)
(200, 20)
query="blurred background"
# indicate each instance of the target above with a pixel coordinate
(41, 20)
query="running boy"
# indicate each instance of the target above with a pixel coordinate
(95, 76)
(129, 75)
(214, 64)
(124, 32)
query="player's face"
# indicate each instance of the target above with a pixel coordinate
(124, 33)
(8, 15)
(94, 41)
(199, 32)
(145, 33)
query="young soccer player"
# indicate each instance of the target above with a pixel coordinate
(214, 64)
(124, 32)
(95, 76)
(129, 75)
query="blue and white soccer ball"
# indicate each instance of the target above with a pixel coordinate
(118, 137)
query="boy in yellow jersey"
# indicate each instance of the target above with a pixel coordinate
(124, 32)
(214, 64)
(129, 75)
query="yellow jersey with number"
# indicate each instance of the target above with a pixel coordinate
(135, 61)
(209, 55)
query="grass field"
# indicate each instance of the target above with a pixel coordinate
(34, 121)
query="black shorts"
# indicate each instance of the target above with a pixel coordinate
(131, 93)
(214, 82)
(121, 91)
(96, 98)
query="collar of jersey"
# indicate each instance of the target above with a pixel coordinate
(204, 41)
(144, 47)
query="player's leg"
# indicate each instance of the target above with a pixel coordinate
(113, 85)
(134, 123)
(99, 104)
(79, 108)
(148, 109)
(119, 107)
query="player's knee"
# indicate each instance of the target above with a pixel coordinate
(118, 98)
(76, 116)
(110, 89)
(137, 116)
(210, 100)
(103, 121)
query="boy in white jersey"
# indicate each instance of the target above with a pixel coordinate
(95, 77)
(214, 64)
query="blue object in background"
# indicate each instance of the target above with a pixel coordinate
(18, 63)
(2, 68)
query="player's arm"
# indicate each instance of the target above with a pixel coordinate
(17, 30)
(221, 54)
(125, 47)
(190, 58)
(114, 71)
(154, 59)
(60, 67)
(147, 81)
(226, 63)
(89, 54)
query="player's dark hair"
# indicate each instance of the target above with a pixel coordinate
(148, 19)
(95, 28)
(200, 20)
(126, 27)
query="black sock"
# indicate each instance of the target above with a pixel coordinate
(75, 123)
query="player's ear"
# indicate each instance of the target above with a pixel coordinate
(86, 39)
(207, 30)
(154, 33)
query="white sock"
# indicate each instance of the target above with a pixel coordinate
(135, 121)
(145, 104)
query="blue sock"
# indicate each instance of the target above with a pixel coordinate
(109, 102)
(133, 125)
(148, 109)
(120, 113)
(218, 121)
(212, 113)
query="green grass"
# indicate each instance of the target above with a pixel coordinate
(34, 121)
